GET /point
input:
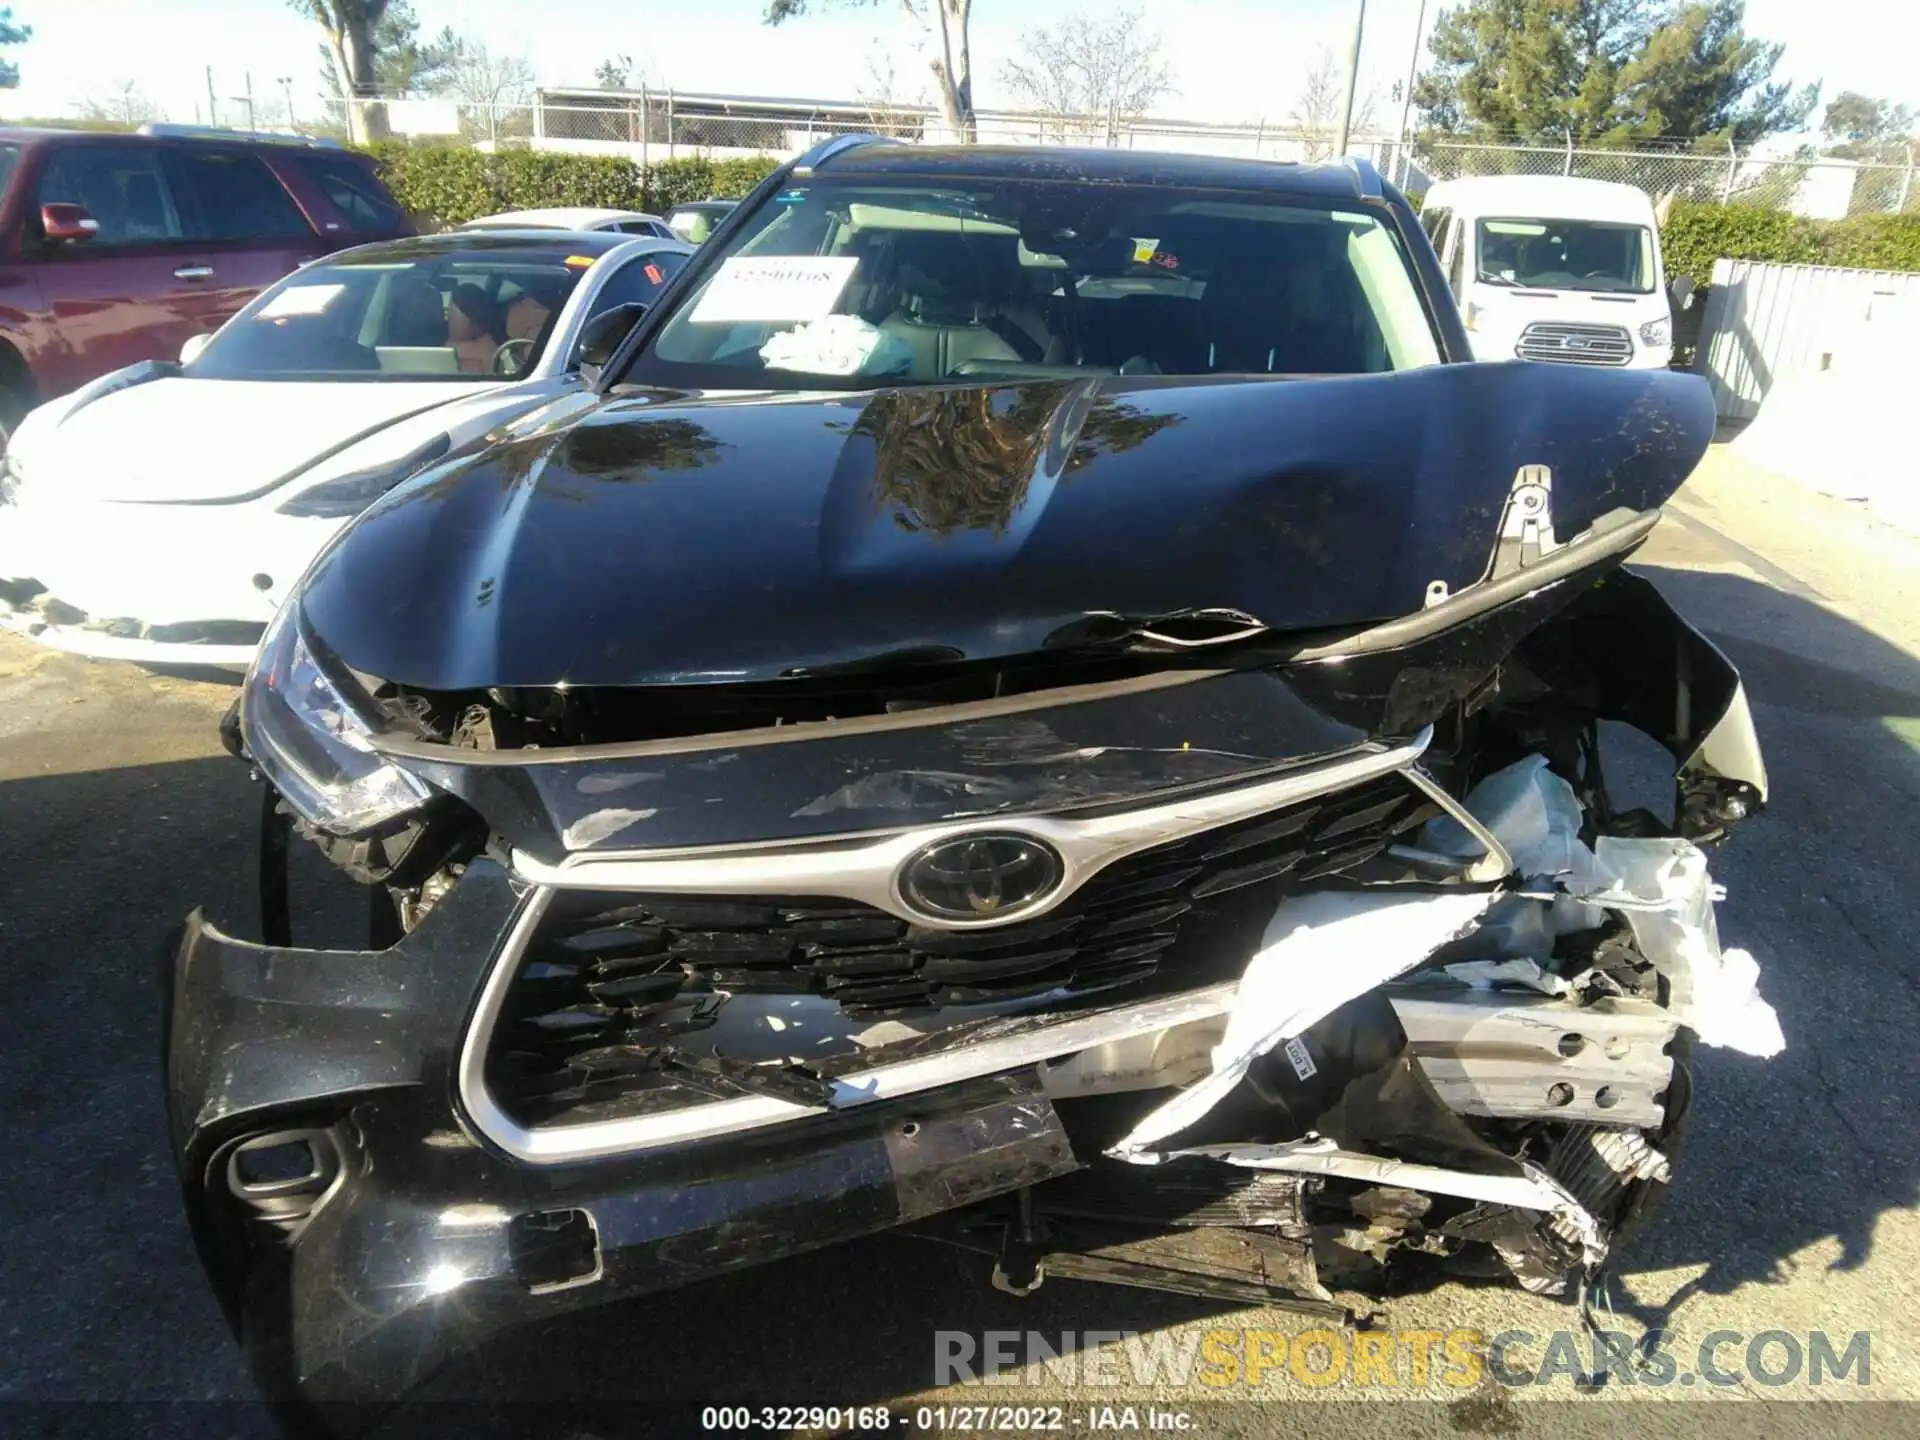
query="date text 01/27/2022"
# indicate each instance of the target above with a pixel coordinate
(1002, 1419)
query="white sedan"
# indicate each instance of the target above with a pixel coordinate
(161, 513)
(575, 217)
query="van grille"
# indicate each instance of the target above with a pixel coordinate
(1568, 344)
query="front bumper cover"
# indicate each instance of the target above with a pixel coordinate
(412, 1242)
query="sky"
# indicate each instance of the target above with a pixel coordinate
(1233, 60)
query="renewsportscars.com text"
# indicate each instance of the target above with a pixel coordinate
(1445, 1360)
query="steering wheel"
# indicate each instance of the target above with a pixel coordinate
(523, 343)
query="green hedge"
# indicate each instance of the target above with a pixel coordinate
(1696, 235)
(450, 184)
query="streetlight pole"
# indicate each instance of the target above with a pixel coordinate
(1406, 99)
(293, 121)
(1353, 80)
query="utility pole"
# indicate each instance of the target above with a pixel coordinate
(1353, 80)
(293, 121)
(213, 105)
(1406, 99)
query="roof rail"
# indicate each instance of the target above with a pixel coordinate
(220, 132)
(1365, 176)
(830, 147)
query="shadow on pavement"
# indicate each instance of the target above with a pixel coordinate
(1814, 1145)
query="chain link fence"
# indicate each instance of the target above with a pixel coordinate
(647, 125)
(1821, 187)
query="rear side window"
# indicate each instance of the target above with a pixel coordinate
(233, 195)
(353, 190)
(121, 186)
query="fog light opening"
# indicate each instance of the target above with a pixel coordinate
(554, 1249)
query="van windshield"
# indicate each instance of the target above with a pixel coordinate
(914, 280)
(1566, 255)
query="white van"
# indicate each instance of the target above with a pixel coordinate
(1553, 268)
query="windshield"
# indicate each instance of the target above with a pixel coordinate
(452, 315)
(1567, 255)
(915, 281)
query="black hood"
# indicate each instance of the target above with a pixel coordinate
(666, 538)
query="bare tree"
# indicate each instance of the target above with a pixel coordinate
(1104, 69)
(890, 110)
(123, 104)
(943, 40)
(349, 26)
(1316, 114)
(489, 81)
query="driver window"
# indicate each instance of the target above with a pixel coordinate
(638, 282)
(121, 186)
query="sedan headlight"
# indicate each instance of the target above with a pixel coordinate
(1656, 332)
(310, 741)
(346, 496)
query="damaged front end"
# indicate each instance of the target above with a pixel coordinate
(1222, 910)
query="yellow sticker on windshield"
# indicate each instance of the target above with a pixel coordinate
(1143, 250)
(581, 260)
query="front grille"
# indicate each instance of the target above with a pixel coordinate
(1567, 344)
(615, 982)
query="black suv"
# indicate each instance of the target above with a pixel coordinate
(835, 778)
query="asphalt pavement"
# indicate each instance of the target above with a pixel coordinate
(1795, 1210)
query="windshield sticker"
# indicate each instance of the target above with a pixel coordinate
(299, 300)
(1143, 250)
(751, 289)
(580, 260)
(652, 272)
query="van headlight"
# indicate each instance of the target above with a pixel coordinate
(308, 738)
(1656, 332)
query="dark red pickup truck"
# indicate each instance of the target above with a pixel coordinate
(117, 248)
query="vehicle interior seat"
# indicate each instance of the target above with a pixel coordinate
(416, 315)
(956, 300)
(1268, 314)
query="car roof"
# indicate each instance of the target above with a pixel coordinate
(1563, 197)
(703, 205)
(558, 217)
(533, 241)
(1336, 180)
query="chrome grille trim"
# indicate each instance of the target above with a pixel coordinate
(560, 1144)
(1568, 343)
(865, 868)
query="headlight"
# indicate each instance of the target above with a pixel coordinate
(312, 743)
(346, 496)
(1656, 332)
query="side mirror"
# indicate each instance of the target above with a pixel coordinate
(601, 336)
(1681, 289)
(68, 222)
(190, 351)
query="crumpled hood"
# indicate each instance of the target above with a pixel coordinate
(199, 440)
(669, 538)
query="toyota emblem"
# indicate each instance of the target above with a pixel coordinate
(980, 877)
